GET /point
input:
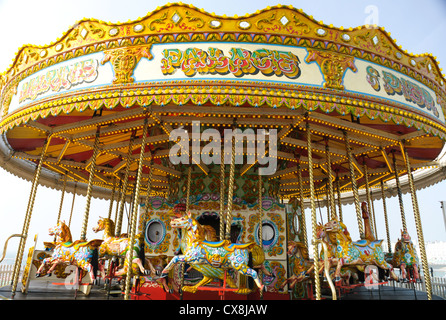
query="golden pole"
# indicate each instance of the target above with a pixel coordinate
(369, 199)
(230, 192)
(72, 204)
(222, 195)
(189, 180)
(28, 214)
(416, 211)
(330, 183)
(90, 185)
(182, 264)
(124, 187)
(117, 203)
(389, 245)
(338, 191)
(134, 217)
(149, 188)
(112, 198)
(354, 185)
(313, 215)
(400, 195)
(62, 197)
(301, 200)
(260, 273)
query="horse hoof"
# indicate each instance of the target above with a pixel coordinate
(38, 275)
(48, 274)
(163, 275)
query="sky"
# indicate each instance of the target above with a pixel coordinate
(418, 26)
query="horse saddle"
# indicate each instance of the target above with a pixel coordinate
(92, 244)
(226, 244)
(367, 243)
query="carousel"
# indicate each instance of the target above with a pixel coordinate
(217, 133)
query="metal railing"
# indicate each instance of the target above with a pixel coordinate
(438, 286)
(6, 272)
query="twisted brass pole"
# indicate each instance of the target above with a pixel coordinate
(230, 192)
(149, 188)
(416, 211)
(260, 210)
(338, 191)
(124, 188)
(72, 204)
(90, 185)
(28, 215)
(313, 215)
(222, 195)
(134, 217)
(389, 246)
(354, 185)
(182, 264)
(369, 199)
(330, 183)
(189, 180)
(112, 198)
(400, 194)
(62, 196)
(260, 273)
(301, 204)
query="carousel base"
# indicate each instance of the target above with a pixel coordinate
(41, 290)
(48, 291)
(385, 293)
(151, 290)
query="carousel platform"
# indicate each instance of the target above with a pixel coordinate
(386, 293)
(49, 291)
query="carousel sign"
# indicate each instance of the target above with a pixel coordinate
(239, 63)
(61, 78)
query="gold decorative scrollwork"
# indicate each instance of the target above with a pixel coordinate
(265, 20)
(160, 20)
(191, 18)
(124, 61)
(299, 24)
(333, 67)
(96, 30)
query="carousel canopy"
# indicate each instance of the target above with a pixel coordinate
(181, 68)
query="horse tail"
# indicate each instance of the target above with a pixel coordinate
(258, 256)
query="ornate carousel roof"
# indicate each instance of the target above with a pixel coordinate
(273, 69)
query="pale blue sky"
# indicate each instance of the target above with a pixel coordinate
(418, 26)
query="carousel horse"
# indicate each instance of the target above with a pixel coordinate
(118, 246)
(300, 263)
(212, 258)
(349, 253)
(405, 257)
(157, 264)
(79, 253)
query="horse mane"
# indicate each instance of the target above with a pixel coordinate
(344, 231)
(110, 224)
(209, 233)
(65, 232)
